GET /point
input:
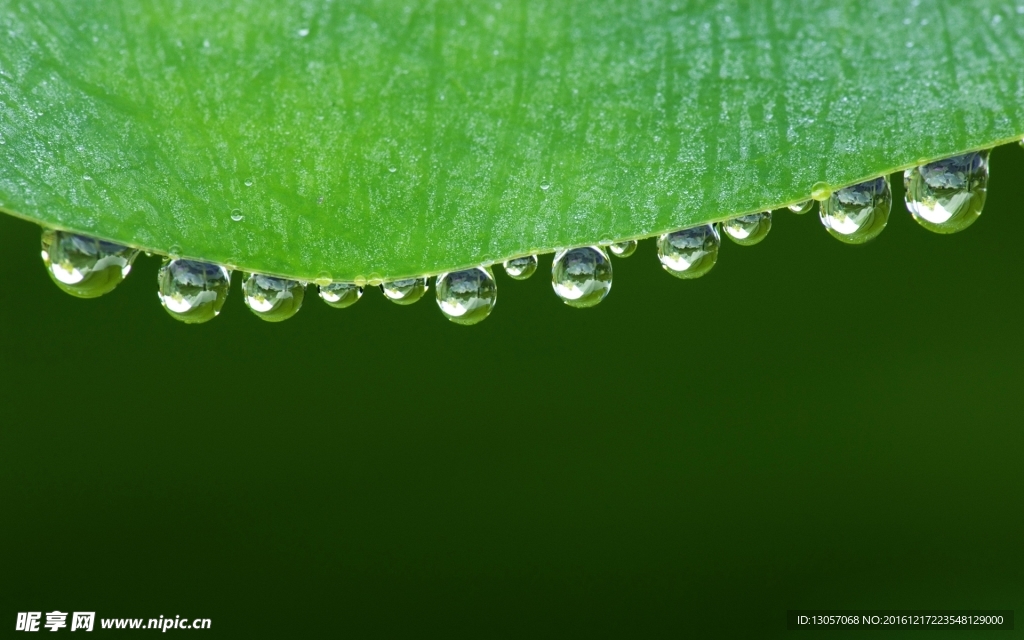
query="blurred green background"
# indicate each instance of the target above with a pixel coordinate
(812, 425)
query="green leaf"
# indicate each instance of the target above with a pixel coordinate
(384, 139)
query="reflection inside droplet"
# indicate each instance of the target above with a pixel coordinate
(466, 297)
(581, 277)
(748, 230)
(801, 208)
(272, 299)
(405, 291)
(948, 195)
(341, 294)
(623, 249)
(85, 267)
(192, 291)
(521, 268)
(859, 213)
(689, 253)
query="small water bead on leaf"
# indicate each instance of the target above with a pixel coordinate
(748, 230)
(466, 297)
(689, 253)
(341, 294)
(85, 267)
(859, 213)
(948, 195)
(192, 291)
(623, 249)
(521, 268)
(236, 215)
(820, 191)
(405, 291)
(272, 299)
(801, 208)
(581, 277)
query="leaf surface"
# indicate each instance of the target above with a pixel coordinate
(380, 139)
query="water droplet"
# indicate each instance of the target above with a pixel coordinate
(248, 182)
(272, 299)
(340, 294)
(748, 230)
(801, 208)
(359, 281)
(689, 253)
(545, 186)
(192, 291)
(820, 191)
(859, 213)
(323, 279)
(236, 215)
(521, 268)
(86, 177)
(623, 249)
(405, 291)
(392, 169)
(947, 196)
(174, 251)
(581, 277)
(467, 297)
(85, 267)
(303, 33)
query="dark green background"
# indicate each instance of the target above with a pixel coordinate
(810, 426)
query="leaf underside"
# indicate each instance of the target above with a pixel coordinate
(383, 139)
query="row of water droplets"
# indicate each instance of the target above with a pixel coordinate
(945, 196)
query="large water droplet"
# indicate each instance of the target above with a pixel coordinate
(340, 294)
(801, 208)
(947, 196)
(689, 253)
(521, 268)
(466, 297)
(750, 229)
(272, 299)
(859, 213)
(191, 291)
(405, 291)
(581, 277)
(85, 267)
(623, 249)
